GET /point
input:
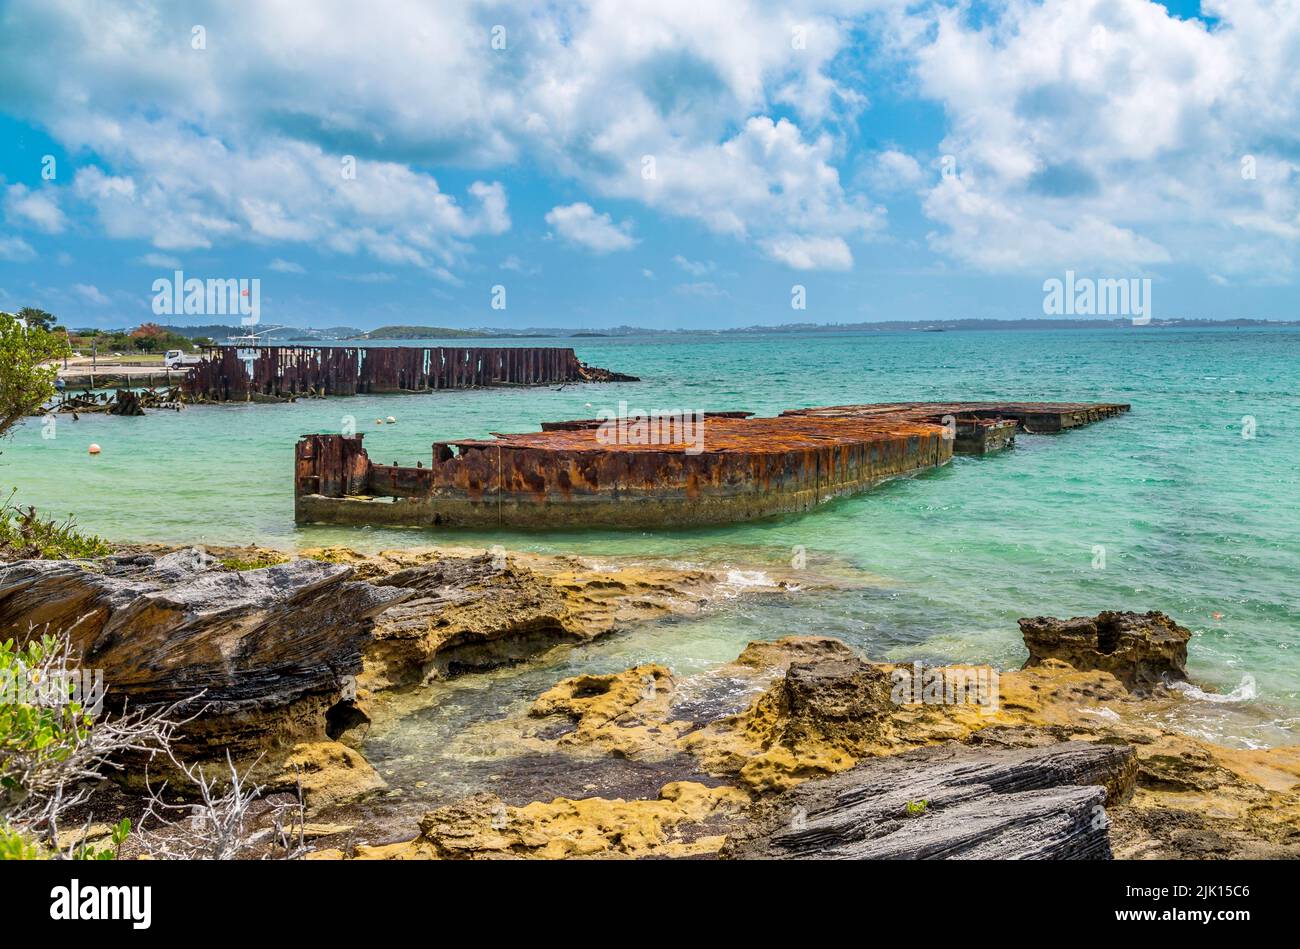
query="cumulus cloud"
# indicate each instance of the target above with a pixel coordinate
(580, 224)
(90, 293)
(586, 92)
(286, 266)
(697, 268)
(38, 209)
(184, 190)
(894, 170)
(1081, 132)
(810, 253)
(1111, 133)
(15, 249)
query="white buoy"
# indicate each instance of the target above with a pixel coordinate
(94, 449)
(391, 420)
(379, 421)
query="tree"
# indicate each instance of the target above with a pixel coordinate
(38, 317)
(149, 337)
(28, 367)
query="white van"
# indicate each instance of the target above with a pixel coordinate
(177, 358)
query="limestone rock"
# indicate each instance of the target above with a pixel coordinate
(623, 713)
(1142, 650)
(674, 824)
(469, 612)
(775, 656)
(464, 613)
(949, 802)
(269, 650)
(817, 719)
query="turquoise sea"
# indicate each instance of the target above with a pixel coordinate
(1194, 518)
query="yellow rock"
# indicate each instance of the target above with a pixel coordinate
(484, 827)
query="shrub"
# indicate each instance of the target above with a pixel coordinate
(27, 535)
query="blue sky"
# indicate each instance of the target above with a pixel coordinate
(899, 161)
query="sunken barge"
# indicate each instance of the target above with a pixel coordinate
(277, 373)
(661, 471)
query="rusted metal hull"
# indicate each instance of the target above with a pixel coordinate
(280, 372)
(573, 475)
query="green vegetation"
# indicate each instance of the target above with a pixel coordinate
(15, 845)
(44, 737)
(36, 317)
(145, 338)
(255, 561)
(25, 535)
(424, 332)
(915, 808)
(33, 738)
(28, 367)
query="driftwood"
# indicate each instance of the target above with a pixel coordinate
(950, 802)
(126, 402)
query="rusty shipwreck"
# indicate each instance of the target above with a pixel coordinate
(583, 474)
(277, 373)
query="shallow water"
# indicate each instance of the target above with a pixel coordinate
(1194, 519)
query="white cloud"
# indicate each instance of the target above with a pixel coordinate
(152, 259)
(998, 236)
(90, 293)
(38, 209)
(1084, 131)
(186, 190)
(580, 224)
(16, 250)
(701, 288)
(286, 266)
(582, 91)
(514, 264)
(894, 170)
(697, 268)
(1110, 133)
(810, 253)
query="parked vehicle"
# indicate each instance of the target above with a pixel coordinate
(178, 358)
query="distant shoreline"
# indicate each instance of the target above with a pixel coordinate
(291, 334)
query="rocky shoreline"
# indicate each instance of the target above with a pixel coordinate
(797, 748)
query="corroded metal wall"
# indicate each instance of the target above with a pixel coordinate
(286, 371)
(571, 474)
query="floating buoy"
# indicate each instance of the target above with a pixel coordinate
(379, 421)
(94, 449)
(391, 420)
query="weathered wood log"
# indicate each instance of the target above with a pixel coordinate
(127, 402)
(950, 802)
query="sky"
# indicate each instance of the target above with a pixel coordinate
(657, 163)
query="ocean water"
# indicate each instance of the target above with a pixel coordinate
(1194, 518)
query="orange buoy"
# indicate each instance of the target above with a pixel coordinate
(94, 449)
